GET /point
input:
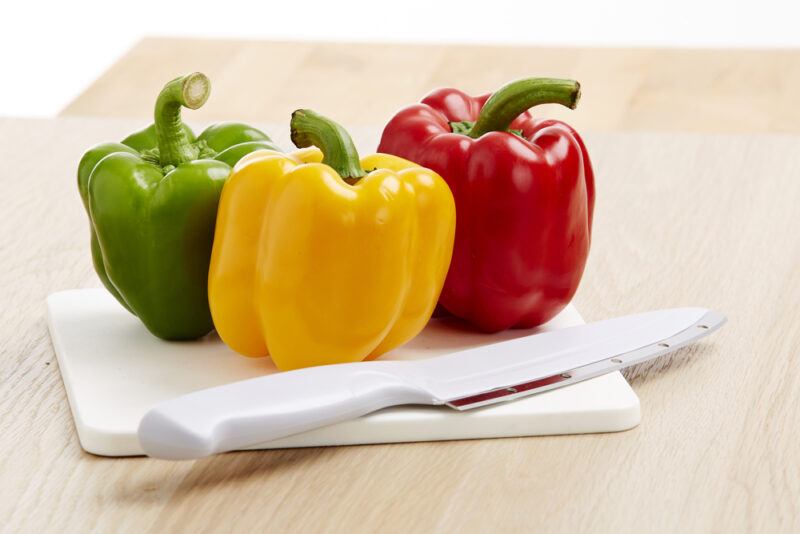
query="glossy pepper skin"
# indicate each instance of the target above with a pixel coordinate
(321, 263)
(524, 192)
(152, 203)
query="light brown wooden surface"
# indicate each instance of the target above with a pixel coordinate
(642, 89)
(680, 219)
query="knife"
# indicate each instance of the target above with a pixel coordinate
(246, 413)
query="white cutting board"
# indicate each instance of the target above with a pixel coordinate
(114, 371)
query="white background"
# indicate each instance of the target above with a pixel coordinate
(50, 51)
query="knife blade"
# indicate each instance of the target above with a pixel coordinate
(246, 413)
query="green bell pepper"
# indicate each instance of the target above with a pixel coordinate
(152, 205)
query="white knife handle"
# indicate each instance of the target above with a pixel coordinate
(246, 413)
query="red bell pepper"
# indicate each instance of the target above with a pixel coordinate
(524, 192)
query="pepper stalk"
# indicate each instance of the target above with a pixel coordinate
(514, 98)
(189, 91)
(339, 152)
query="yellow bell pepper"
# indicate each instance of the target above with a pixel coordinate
(319, 263)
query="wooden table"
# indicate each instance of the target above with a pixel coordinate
(682, 218)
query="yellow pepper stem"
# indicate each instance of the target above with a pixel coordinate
(310, 128)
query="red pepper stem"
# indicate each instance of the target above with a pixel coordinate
(514, 98)
(339, 152)
(189, 91)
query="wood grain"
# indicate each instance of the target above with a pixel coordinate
(363, 84)
(681, 219)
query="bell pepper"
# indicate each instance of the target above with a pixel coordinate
(524, 192)
(152, 204)
(332, 262)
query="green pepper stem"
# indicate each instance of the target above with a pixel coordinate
(514, 98)
(189, 91)
(338, 150)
